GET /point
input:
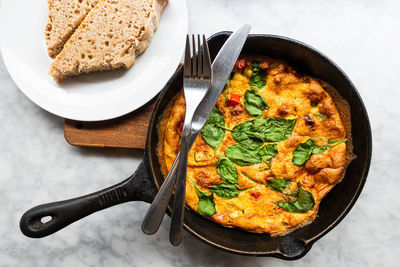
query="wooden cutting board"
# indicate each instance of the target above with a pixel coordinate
(129, 131)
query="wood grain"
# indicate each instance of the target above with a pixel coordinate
(129, 131)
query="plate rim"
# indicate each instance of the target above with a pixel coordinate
(47, 105)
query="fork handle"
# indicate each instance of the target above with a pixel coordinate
(175, 234)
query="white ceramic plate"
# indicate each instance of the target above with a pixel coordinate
(93, 97)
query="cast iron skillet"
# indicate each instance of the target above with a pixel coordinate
(143, 184)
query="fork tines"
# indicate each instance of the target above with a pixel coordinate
(193, 66)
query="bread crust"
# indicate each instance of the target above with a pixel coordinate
(64, 17)
(110, 37)
(151, 26)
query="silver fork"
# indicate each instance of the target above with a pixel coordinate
(196, 81)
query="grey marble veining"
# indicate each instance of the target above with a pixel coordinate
(38, 166)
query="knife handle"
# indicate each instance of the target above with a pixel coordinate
(155, 214)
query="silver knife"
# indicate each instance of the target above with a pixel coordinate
(221, 67)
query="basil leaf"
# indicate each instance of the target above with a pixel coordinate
(303, 152)
(211, 133)
(228, 171)
(242, 155)
(336, 142)
(267, 152)
(278, 184)
(264, 129)
(321, 116)
(304, 202)
(254, 103)
(258, 78)
(225, 190)
(206, 206)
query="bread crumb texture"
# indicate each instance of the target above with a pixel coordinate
(113, 33)
(63, 19)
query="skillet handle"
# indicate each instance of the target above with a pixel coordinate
(61, 214)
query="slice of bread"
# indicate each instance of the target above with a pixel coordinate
(64, 17)
(110, 37)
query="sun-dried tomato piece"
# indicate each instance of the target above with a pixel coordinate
(240, 63)
(233, 100)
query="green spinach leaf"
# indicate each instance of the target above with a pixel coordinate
(242, 155)
(227, 170)
(319, 150)
(267, 152)
(278, 184)
(264, 129)
(227, 86)
(206, 206)
(251, 143)
(242, 131)
(211, 133)
(336, 142)
(321, 116)
(254, 103)
(277, 130)
(240, 135)
(225, 190)
(303, 203)
(304, 151)
(258, 78)
(228, 82)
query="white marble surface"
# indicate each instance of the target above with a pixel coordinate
(38, 166)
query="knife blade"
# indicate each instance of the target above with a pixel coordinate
(221, 68)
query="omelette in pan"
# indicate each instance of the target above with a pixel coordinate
(274, 145)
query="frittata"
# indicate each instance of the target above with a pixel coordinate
(272, 148)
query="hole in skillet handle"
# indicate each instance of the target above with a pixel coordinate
(37, 223)
(293, 248)
(46, 219)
